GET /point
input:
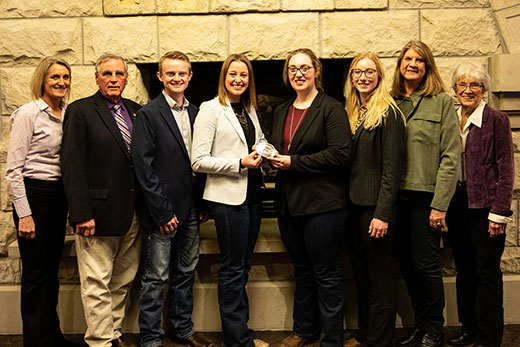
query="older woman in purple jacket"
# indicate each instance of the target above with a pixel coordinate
(480, 209)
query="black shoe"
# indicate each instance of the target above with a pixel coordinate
(411, 339)
(431, 340)
(464, 339)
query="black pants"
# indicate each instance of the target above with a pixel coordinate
(372, 265)
(417, 249)
(479, 278)
(40, 261)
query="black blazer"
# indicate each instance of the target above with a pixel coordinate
(162, 164)
(320, 153)
(97, 170)
(378, 164)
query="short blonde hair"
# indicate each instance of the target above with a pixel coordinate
(432, 82)
(316, 64)
(38, 76)
(174, 55)
(378, 101)
(249, 97)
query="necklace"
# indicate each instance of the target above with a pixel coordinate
(362, 115)
(292, 130)
(241, 117)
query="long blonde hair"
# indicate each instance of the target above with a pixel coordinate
(378, 101)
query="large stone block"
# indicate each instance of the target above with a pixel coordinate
(385, 35)
(5, 201)
(244, 6)
(272, 36)
(182, 6)
(128, 7)
(512, 228)
(500, 4)
(7, 231)
(307, 5)
(49, 8)
(445, 31)
(511, 260)
(26, 41)
(517, 174)
(516, 140)
(15, 87)
(10, 272)
(361, 4)
(134, 38)
(509, 22)
(437, 3)
(202, 38)
(5, 125)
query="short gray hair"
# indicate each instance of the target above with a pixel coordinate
(474, 70)
(109, 56)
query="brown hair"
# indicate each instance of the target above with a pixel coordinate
(249, 97)
(316, 63)
(38, 76)
(431, 84)
(176, 55)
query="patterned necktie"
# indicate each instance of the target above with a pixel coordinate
(123, 127)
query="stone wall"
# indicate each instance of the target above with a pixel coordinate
(142, 30)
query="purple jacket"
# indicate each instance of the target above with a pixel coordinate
(490, 163)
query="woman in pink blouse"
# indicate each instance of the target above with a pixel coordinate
(40, 209)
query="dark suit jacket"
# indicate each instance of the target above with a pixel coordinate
(320, 153)
(377, 165)
(162, 163)
(97, 170)
(490, 164)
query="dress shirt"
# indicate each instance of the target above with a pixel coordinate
(180, 113)
(476, 119)
(34, 150)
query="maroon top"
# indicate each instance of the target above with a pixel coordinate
(490, 163)
(292, 122)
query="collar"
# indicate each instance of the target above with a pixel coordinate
(42, 105)
(111, 104)
(173, 104)
(476, 117)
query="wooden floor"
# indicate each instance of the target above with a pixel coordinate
(511, 338)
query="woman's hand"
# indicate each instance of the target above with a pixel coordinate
(26, 228)
(378, 228)
(437, 219)
(252, 160)
(496, 229)
(282, 162)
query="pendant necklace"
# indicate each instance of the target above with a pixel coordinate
(291, 130)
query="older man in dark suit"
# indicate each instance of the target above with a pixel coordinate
(161, 154)
(102, 193)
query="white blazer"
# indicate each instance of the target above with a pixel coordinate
(218, 145)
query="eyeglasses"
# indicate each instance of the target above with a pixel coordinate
(369, 73)
(472, 86)
(304, 69)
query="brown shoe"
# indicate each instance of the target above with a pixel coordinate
(196, 341)
(352, 342)
(120, 342)
(294, 340)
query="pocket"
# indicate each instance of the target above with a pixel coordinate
(98, 193)
(425, 127)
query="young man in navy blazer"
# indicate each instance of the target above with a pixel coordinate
(161, 144)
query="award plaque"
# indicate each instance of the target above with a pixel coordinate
(265, 149)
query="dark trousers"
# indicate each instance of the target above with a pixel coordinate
(479, 278)
(314, 243)
(40, 262)
(417, 249)
(237, 232)
(372, 265)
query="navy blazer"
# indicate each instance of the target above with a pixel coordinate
(162, 164)
(490, 163)
(96, 167)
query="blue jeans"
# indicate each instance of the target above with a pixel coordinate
(170, 260)
(314, 243)
(237, 231)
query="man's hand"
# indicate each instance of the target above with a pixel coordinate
(169, 227)
(26, 228)
(203, 216)
(86, 228)
(437, 219)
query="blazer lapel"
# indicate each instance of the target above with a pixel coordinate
(312, 112)
(279, 125)
(357, 135)
(106, 116)
(166, 113)
(232, 117)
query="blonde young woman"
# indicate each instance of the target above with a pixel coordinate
(376, 169)
(225, 130)
(433, 156)
(40, 208)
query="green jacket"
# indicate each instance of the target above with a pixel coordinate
(433, 147)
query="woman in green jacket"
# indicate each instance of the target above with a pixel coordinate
(433, 154)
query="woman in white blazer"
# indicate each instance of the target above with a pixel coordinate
(225, 130)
